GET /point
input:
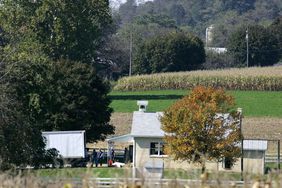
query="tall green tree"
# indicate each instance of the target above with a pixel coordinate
(262, 46)
(38, 94)
(79, 101)
(47, 75)
(66, 29)
(197, 128)
(20, 137)
(36, 29)
(175, 51)
(21, 141)
(61, 95)
(72, 29)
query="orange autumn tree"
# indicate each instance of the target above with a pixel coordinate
(203, 126)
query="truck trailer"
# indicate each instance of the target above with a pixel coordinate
(70, 144)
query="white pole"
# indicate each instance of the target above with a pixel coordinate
(130, 54)
(247, 40)
(240, 111)
(207, 30)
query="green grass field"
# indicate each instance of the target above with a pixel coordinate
(254, 103)
(103, 172)
(106, 172)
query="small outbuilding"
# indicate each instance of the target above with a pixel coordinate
(254, 156)
(146, 138)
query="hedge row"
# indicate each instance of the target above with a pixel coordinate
(260, 79)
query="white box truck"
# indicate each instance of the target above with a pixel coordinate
(70, 144)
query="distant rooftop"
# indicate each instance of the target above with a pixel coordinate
(216, 50)
(116, 3)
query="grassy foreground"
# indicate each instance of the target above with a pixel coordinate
(106, 172)
(211, 179)
(103, 172)
(254, 103)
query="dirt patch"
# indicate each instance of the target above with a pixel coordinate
(122, 123)
(262, 128)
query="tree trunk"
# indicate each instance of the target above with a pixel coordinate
(203, 167)
(204, 175)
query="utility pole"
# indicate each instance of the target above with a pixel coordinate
(130, 54)
(247, 41)
(207, 33)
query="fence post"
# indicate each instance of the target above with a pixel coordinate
(278, 155)
(239, 110)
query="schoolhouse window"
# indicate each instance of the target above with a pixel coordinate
(154, 148)
(157, 148)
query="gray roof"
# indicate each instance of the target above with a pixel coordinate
(145, 124)
(255, 145)
(122, 138)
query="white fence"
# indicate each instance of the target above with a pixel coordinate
(270, 158)
(155, 183)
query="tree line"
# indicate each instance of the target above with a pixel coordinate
(139, 24)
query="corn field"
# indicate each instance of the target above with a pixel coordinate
(256, 79)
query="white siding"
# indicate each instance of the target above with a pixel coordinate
(142, 151)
